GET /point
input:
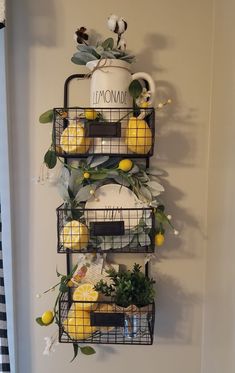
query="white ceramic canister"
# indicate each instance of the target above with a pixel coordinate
(109, 88)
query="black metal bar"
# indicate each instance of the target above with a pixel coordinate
(66, 86)
(146, 267)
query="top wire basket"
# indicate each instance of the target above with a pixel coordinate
(79, 132)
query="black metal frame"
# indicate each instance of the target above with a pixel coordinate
(114, 336)
(104, 322)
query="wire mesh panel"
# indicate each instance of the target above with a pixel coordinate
(78, 132)
(104, 323)
(105, 230)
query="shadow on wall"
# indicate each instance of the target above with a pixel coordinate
(177, 131)
(175, 124)
(174, 312)
(43, 22)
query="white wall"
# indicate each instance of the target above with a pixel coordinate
(172, 40)
(219, 344)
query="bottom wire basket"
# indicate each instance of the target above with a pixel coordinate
(104, 322)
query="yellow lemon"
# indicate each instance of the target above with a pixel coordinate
(74, 235)
(73, 139)
(78, 325)
(90, 114)
(138, 136)
(125, 165)
(87, 293)
(86, 175)
(47, 317)
(159, 239)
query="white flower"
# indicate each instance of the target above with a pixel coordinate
(142, 100)
(51, 342)
(116, 24)
(122, 25)
(113, 22)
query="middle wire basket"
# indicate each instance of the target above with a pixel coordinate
(119, 230)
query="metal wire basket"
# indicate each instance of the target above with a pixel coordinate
(119, 230)
(112, 132)
(104, 322)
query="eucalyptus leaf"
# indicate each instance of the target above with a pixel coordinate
(89, 160)
(135, 169)
(108, 44)
(99, 49)
(112, 173)
(46, 117)
(87, 350)
(39, 321)
(108, 54)
(63, 192)
(78, 61)
(98, 160)
(75, 350)
(155, 187)
(88, 49)
(116, 242)
(85, 56)
(154, 203)
(144, 239)
(64, 177)
(135, 88)
(111, 162)
(122, 181)
(98, 176)
(50, 159)
(84, 193)
(76, 179)
(145, 192)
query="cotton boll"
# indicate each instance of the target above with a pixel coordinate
(122, 25)
(112, 23)
(122, 44)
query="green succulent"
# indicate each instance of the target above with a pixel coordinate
(128, 287)
(87, 53)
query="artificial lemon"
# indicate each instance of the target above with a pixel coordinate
(47, 317)
(74, 235)
(86, 175)
(90, 114)
(87, 293)
(125, 165)
(73, 139)
(159, 239)
(138, 136)
(144, 105)
(78, 325)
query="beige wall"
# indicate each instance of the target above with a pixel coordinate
(172, 40)
(219, 344)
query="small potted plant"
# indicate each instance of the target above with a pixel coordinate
(109, 63)
(133, 293)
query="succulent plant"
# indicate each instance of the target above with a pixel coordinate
(103, 50)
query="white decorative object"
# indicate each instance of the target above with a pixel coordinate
(112, 198)
(109, 88)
